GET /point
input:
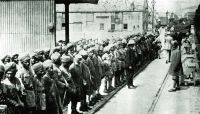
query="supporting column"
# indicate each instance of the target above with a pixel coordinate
(67, 22)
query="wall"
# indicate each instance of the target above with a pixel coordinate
(24, 25)
(87, 25)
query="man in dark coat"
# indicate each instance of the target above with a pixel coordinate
(130, 62)
(79, 82)
(175, 69)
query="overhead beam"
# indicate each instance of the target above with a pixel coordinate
(66, 3)
(76, 1)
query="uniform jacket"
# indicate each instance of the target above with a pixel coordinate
(90, 65)
(78, 80)
(53, 100)
(40, 94)
(131, 58)
(87, 77)
(76, 73)
(29, 97)
(13, 95)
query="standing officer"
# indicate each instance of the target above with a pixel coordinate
(130, 62)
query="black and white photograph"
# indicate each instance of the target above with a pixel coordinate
(99, 56)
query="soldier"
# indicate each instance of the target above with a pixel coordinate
(70, 87)
(107, 69)
(39, 88)
(53, 100)
(122, 54)
(113, 65)
(87, 78)
(130, 61)
(55, 57)
(98, 69)
(2, 94)
(100, 65)
(91, 67)
(12, 90)
(26, 74)
(76, 73)
(118, 64)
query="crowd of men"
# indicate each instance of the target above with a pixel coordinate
(48, 80)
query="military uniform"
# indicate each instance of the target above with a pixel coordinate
(130, 61)
(76, 73)
(53, 100)
(12, 91)
(40, 96)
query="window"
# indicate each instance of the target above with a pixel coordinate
(138, 26)
(63, 26)
(125, 26)
(134, 27)
(101, 26)
(112, 26)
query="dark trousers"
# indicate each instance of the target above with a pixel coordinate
(83, 100)
(74, 102)
(129, 77)
(117, 77)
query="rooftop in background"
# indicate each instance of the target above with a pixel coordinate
(105, 5)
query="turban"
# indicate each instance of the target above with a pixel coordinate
(56, 49)
(79, 48)
(55, 56)
(70, 45)
(91, 49)
(64, 49)
(6, 56)
(83, 53)
(65, 58)
(78, 56)
(24, 57)
(11, 67)
(131, 42)
(47, 64)
(37, 67)
(15, 55)
(107, 49)
(39, 52)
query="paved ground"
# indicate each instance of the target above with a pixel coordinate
(139, 100)
(185, 101)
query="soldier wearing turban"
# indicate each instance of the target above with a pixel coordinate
(6, 59)
(76, 73)
(27, 76)
(53, 100)
(87, 77)
(40, 95)
(70, 87)
(12, 89)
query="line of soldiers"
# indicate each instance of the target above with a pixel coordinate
(48, 80)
